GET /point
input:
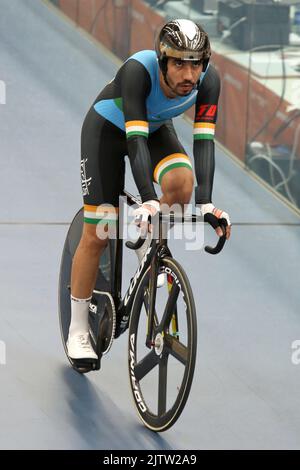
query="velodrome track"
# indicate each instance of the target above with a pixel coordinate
(245, 393)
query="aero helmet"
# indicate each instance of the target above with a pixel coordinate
(182, 39)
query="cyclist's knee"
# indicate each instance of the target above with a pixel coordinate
(178, 186)
(187, 190)
(93, 240)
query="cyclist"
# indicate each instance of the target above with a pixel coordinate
(133, 116)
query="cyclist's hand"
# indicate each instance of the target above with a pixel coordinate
(142, 214)
(214, 216)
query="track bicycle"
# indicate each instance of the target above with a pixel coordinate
(161, 322)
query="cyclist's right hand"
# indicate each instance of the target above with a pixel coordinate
(142, 214)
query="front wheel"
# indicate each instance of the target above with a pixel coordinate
(161, 374)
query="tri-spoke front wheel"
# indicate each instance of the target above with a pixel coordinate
(161, 373)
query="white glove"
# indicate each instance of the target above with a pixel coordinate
(148, 208)
(218, 213)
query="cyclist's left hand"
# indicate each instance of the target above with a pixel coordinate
(213, 216)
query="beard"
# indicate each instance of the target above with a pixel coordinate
(181, 89)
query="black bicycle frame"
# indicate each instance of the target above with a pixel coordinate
(157, 250)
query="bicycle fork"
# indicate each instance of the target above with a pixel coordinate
(161, 250)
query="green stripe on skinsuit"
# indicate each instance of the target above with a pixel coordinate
(95, 221)
(119, 103)
(174, 165)
(203, 136)
(132, 134)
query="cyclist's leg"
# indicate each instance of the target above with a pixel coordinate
(172, 168)
(102, 178)
(86, 262)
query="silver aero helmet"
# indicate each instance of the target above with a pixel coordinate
(182, 39)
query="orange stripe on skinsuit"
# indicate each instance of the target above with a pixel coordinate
(89, 208)
(204, 124)
(136, 123)
(166, 159)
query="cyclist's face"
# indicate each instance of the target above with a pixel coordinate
(183, 75)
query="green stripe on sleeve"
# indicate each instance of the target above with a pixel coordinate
(204, 137)
(132, 134)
